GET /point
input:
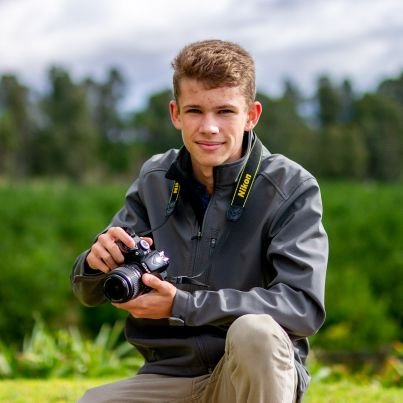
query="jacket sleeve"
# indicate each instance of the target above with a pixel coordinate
(297, 252)
(87, 284)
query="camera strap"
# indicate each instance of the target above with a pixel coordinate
(187, 280)
(173, 198)
(245, 181)
(243, 185)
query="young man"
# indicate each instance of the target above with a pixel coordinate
(243, 231)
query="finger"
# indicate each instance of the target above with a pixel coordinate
(137, 307)
(148, 240)
(154, 282)
(110, 261)
(107, 250)
(119, 234)
(97, 264)
(134, 307)
(115, 253)
(100, 255)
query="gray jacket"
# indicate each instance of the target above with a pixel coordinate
(271, 261)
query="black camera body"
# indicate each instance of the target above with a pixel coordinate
(124, 283)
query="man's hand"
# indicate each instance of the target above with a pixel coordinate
(105, 255)
(156, 304)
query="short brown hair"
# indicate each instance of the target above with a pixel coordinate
(216, 63)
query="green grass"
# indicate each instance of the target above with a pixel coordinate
(45, 391)
(65, 390)
(346, 392)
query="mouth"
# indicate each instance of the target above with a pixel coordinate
(209, 145)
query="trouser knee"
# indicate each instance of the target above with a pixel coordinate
(257, 339)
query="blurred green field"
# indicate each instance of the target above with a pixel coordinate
(46, 224)
(63, 390)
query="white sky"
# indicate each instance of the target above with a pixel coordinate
(357, 39)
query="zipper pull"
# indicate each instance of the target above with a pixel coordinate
(197, 236)
(213, 242)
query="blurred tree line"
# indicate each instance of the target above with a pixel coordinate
(77, 130)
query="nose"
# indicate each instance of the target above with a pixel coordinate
(208, 125)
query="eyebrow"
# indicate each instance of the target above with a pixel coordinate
(224, 106)
(227, 106)
(190, 106)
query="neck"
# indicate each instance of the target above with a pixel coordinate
(205, 177)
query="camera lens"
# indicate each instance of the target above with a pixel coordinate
(123, 284)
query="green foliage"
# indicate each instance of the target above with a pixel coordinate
(392, 371)
(364, 282)
(385, 369)
(46, 226)
(15, 128)
(68, 142)
(66, 353)
(380, 120)
(155, 122)
(77, 129)
(392, 88)
(345, 153)
(329, 102)
(283, 131)
(49, 224)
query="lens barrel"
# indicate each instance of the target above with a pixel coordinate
(123, 284)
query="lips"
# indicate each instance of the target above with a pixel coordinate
(209, 145)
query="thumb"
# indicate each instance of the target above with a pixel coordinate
(152, 281)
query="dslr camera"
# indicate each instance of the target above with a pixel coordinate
(124, 283)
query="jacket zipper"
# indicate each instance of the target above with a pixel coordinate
(206, 271)
(196, 238)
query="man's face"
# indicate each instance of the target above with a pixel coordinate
(212, 122)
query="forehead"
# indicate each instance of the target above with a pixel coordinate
(194, 91)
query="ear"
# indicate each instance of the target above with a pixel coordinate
(175, 115)
(254, 112)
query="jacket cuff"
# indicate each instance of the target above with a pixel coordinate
(179, 308)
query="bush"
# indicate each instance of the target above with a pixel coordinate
(66, 353)
(364, 281)
(46, 225)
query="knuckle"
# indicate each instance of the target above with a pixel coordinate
(106, 257)
(102, 239)
(114, 231)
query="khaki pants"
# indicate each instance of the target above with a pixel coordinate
(257, 367)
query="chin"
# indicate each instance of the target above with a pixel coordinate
(215, 162)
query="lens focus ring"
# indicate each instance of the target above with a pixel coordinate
(123, 284)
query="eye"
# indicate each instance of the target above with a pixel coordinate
(225, 111)
(193, 110)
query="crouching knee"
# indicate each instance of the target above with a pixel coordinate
(259, 339)
(93, 395)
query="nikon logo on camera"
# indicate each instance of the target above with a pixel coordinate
(244, 186)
